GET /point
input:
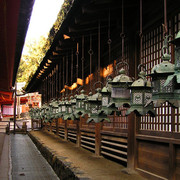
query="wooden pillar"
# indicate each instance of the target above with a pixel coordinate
(98, 127)
(172, 165)
(171, 161)
(32, 127)
(51, 127)
(65, 131)
(131, 141)
(78, 135)
(57, 127)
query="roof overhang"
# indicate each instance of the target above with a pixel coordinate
(14, 21)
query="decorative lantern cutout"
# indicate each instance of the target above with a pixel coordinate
(95, 104)
(159, 74)
(141, 93)
(106, 99)
(120, 94)
(174, 79)
(80, 108)
(68, 107)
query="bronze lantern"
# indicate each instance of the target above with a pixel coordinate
(95, 104)
(68, 109)
(80, 108)
(106, 99)
(120, 94)
(159, 74)
(174, 79)
(141, 93)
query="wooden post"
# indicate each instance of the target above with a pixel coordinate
(131, 141)
(51, 127)
(171, 161)
(78, 135)
(57, 127)
(65, 131)
(32, 126)
(98, 127)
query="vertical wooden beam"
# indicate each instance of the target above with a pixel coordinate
(57, 127)
(78, 135)
(65, 131)
(131, 142)
(98, 127)
(171, 161)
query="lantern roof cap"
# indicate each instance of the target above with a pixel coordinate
(97, 96)
(142, 81)
(67, 102)
(73, 100)
(164, 67)
(122, 77)
(81, 96)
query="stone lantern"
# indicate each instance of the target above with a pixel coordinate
(120, 94)
(159, 74)
(141, 93)
(95, 104)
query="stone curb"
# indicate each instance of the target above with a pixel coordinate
(62, 168)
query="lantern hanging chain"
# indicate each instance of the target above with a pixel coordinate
(67, 73)
(109, 35)
(82, 58)
(63, 73)
(141, 33)
(71, 68)
(122, 33)
(165, 19)
(77, 54)
(99, 50)
(90, 54)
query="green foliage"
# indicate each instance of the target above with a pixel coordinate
(31, 58)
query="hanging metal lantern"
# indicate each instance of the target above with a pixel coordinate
(80, 108)
(120, 94)
(73, 107)
(141, 93)
(95, 105)
(106, 99)
(62, 108)
(87, 105)
(43, 110)
(68, 108)
(54, 105)
(174, 79)
(159, 74)
(47, 114)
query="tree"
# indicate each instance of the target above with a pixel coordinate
(32, 56)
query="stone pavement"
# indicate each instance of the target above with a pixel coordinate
(72, 162)
(20, 159)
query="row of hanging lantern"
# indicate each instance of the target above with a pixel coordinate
(140, 96)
